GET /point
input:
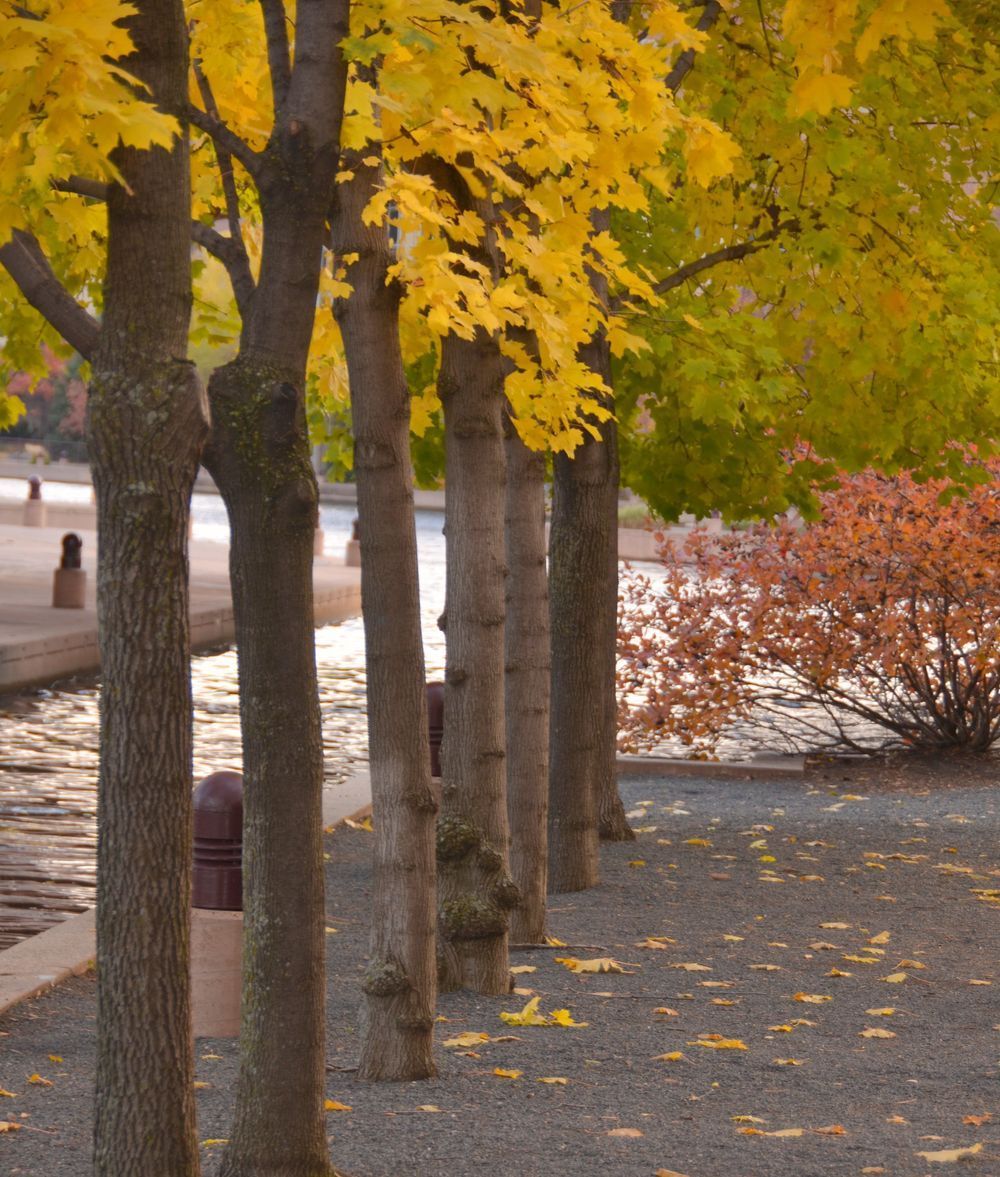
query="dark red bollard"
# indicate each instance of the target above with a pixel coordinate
(435, 723)
(217, 881)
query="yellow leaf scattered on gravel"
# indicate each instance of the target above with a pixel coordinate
(625, 1132)
(881, 938)
(780, 1132)
(471, 1038)
(427, 1107)
(599, 964)
(697, 842)
(946, 1156)
(38, 1081)
(665, 1010)
(838, 926)
(672, 1056)
(330, 931)
(200, 1085)
(562, 1017)
(766, 968)
(333, 1105)
(655, 942)
(860, 959)
(637, 862)
(364, 824)
(215, 1141)
(910, 964)
(980, 982)
(978, 1121)
(782, 1029)
(668, 1173)
(9, 1126)
(524, 968)
(787, 1062)
(733, 939)
(838, 973)
(716, 984)
(870, 1032)
(895, 978)
(552, 942)
(7, 1094)
(896, 1120)
(55, 1058)
(555, 1080)
(503, 1074)
(811, 998)
(885, 1011)
(747, 1120)
(823, 946)
(529, 1016)
(830, 1130)
(717, 1042)
(724, 1001)
(692, 968)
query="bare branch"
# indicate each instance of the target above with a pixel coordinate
(27, 264)
(683, 64)
(729, 253)
(224, 137)
(278, 55)
(82, 186)
(233, 256)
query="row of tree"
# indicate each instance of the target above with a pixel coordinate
(504, 197)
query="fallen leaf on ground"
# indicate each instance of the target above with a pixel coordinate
(503, 1074)
(724, 1001)
(364, 824)
(978, 1121)
(830, 1130)
(655, 942)
(811, 998)
(747, 1120)
(881, 938)
(668, 1173)
(692, 968)
(766, 968)
(673, 1056)
(7, 1094)
(552, 942)
(838, 973)
(822, 946)
(214, 1141)
(55, 1058)
(471, 1038)
(838, 926)
(333, 1105)
(716, 984)
(529, 1016)
(427, 1107)
(555, 1080)
(9, 1126)
(896, 1120)
(733, 939)
(717, 1042)
(697, 842)
(562, 1017)
(38, 1081)
(895, 978)
(200, 1085)
(787, 1062)
(330, 931)
(947, 1155)
(524, 968)
(780, 1132)
(782, 1029)
(624, 1132)
(855, 959)
(885, 1012)
(980, 982)
(910, 964)
(599, 964)
(665, 1010)
(870, 1032)
(637, 862)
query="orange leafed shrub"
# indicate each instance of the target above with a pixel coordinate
(877, 626)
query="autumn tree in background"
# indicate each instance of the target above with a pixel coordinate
(145, 430)
(877, 625)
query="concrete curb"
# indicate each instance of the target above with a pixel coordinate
(764, 765)
(68, 949)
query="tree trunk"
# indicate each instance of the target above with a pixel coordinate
(475, 889)
(260, 458)
(145, 430)
(400, 980)
(526, 686)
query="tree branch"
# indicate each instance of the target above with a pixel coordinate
(27, 264)
(729, 253)
(233, 256)
(82, 186)
(684, 63)
(223, 137)
(278, 55)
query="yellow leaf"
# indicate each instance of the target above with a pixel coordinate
(470, 1038)
(766, 968)
(947, 1155)
(881, 938)
(733, 939)
(364, 824)
(39, 1081)
(787, 1062)
(637, 862)
(9, 1126)
(427, 1107)
(724, 1001)
(811, 998)
(665, 1009)
(599, 964)
(822, 946)
(55, 1058)
(837, 973)
(552, 942)
(555, 1080)
(695, 841)
(717, 1042)
(502, 1074)
(830, 1130)
(839, 927)
(7, 1094)
(869, 1032)
(562, 1017)
(692, 968)
(693, 322)
(910, 964)
(895, 978)
(672, 1056)
(658, 942)
(524, 968)
(861, 959)
(214, 1141)
(780, 1132)
(977, 1121)
(332, 1105)
(529, 1016)
(747, 1120)
(782, 1029)
(883, 1012)
(330, 931)
(200, 1085)
(668, 1173)
(980, 982)
(625, 1132)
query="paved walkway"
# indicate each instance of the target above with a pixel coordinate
(39, 644)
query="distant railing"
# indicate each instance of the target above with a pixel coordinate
(43, 450)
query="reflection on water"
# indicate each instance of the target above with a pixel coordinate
(48, 738)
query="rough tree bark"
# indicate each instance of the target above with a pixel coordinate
(526, 686)
(400, 981)
(259, 455)
(146, 425)
(475, 888)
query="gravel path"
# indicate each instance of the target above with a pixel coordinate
(730, 874)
